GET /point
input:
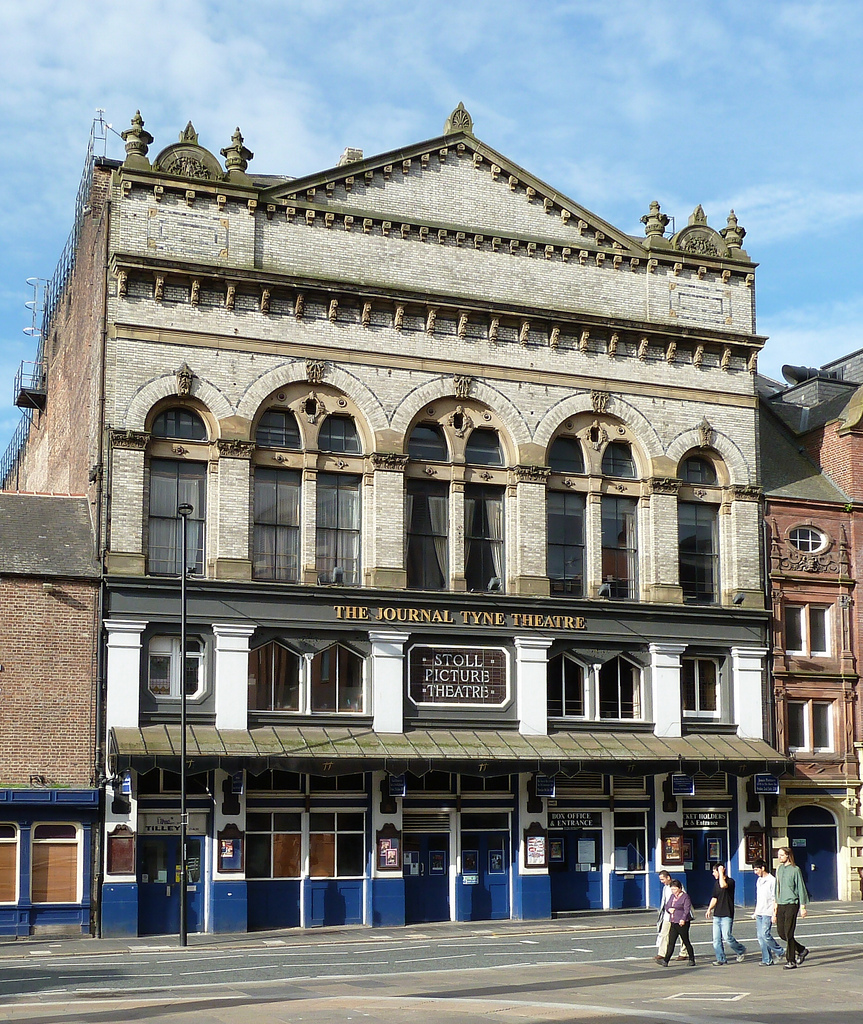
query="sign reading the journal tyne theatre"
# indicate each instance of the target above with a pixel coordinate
(474, 676)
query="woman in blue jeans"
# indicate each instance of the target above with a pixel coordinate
(721, 907)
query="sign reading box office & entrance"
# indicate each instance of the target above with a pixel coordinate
(462, 676)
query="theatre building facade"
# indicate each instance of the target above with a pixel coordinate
(475, 621)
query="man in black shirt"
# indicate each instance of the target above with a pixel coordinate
(722, 909)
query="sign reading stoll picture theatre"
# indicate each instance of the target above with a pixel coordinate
(475, 676)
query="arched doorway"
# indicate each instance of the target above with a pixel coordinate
(812, 836)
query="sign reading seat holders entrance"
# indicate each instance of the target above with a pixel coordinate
(463, 676)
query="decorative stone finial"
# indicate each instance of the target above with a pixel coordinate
(655, 224)
(237, 159)
(733, 233)
(137, 143)
(698, 216)
(189, 135)
(458, 121)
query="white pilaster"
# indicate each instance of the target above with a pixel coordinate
(123, 672)
(747, 683)
(232, 675)
(531, 663)
(388, 679)
(665, 679)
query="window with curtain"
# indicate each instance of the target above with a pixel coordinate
(565, 688)
(566, 456)
(8, 863)
(56, 850)
(483, 448)
(483, 537)
(278, 428)
(337, 536)
(181, 424)
(427, 517)
(565, 513)
(427, 443)
(276, 535)
(699, 678)
(337, 680)
(173, 484)
(339, 434)
(620, 546)
(697, 551)
(274, 679)
(164, 666)
(619, 690)
(617, 460)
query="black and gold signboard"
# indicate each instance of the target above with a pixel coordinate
(467, 676)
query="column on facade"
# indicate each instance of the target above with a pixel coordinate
(384, 550)
(659, 548)
(531, 662)
(127, 487)
(388, 687)
(747, 683)
(123, 674)
(229, 540)
(665, 685)
(740, 549)
(456, 533)
(593, 544)
(528, 530)
(232, 675)
(308, 522)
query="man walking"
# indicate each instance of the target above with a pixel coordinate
(791, 899)
(765, 906)
(663, 921)
(721, 906)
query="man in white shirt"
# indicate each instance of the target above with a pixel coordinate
(765, 907)
(663, 921)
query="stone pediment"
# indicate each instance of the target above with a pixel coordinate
(456, 183)
(188, 159)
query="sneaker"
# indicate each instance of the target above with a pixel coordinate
(790, 966)
(801, 956)
(683, 956)
(719, 963)
(661, 961)
(740, 957)
(767, 963)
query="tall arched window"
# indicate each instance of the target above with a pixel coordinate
(276, 538)
(174, 483)
(274, 679)
(427, 516)
(619, 690)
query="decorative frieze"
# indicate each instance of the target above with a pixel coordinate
(745, 492)
(230, 448)
(532, 474)
(663, 485)
(389, 461)
(133, 440)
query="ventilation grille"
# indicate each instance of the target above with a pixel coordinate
(711, 785)
(629, 784)
(425, 821)
(584, 782)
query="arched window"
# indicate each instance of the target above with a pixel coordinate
(565, 688)
(698, 470)
(274, 679)
(278, 429)
(427, 443)
(566, 456)
(339, 434)
(179, 423)
(337, 680)
(483, 448)
(619, 690)
(617, 460)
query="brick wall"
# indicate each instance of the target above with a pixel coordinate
(47, 650)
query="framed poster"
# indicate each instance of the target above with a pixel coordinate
(714, 850)
(536, 851)
(495, 862)
(470, 867)
(437, 862)
(389, 849)
(121, 851)
(230, 850)
(555, 851)
(686, 853)
(672, 849)
(756, 846)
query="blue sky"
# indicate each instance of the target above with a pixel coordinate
(755, 106)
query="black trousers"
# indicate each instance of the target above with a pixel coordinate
(683, 931)
(786, 923)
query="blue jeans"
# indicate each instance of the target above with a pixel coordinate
(722, 934)
(768, 944)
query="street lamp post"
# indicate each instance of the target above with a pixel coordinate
(183, 511)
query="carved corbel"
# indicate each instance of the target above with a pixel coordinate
(349, 222)
(442, 236)
(299, 305)
(565, 253)
(513, 183)
(726, 276)
(159, 288)
(752, 361)
(122, 283)
(583, 340)
(549, 252)
(478, 241)
(642, 349)
(671, 352)
(190, 197)
(599, 258)
(725, 363)
(462, 325)
(676, 269)
(158, 192)
(431, 319)
(405, 231)
(493, 328)
(495, 244)
(554, 337)
(316, 370)
(399, 317)
(531, 248)
(423, 232)
(329, 220)
(616, 262)
(634, 263)
(513, 246)
(333, 312)
(131, 440)
(229, 448)
(524, 333)
(611, 348)
(253, 206)
(367, 225)
(652, 265)
(366, 317)
(230, 296)
(702, 273)
(310, 218)
(271, 209)
(195, 292)
(698, 357)
(582, 256)
(565, 216)
(265, 300)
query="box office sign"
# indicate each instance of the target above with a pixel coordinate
(575, 819)
(152, 823)
(464, 676)
(705, 819)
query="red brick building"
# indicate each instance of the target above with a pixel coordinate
(812, 449)
(49, 622)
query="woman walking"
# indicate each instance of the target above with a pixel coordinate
(679, 910)
(791, 899)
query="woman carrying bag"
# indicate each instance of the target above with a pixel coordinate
(679, 910)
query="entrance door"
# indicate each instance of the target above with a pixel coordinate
(426, 873)
(701, 849)
(812, 837)
(576, 879)
(484, 882)
(159, 885)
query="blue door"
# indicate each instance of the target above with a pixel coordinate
(159, 885)
(484, 881)
(700, 849)
(426, 874)
(812, 837)
(575, 869)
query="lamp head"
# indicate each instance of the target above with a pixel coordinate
(185, 510)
